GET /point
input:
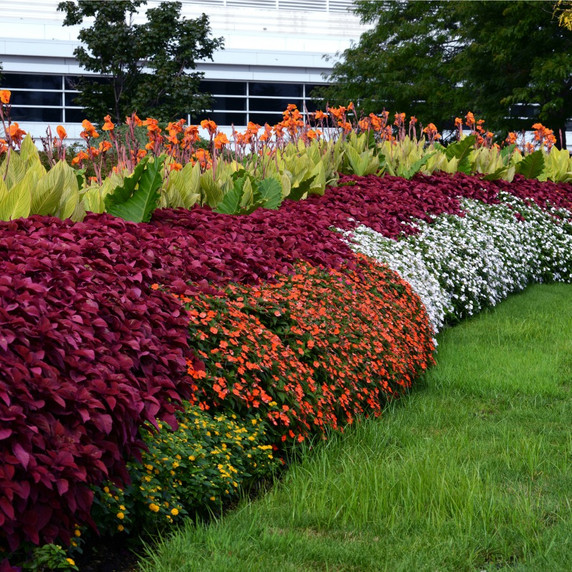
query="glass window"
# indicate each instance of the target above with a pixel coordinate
(275, 89)
(45, 115)
(229, 103)
(222, 118)
(71, 98)
(31, 81)
(262, 118)
(273, 104)
(223, 87)
(74, 115)
(36, 98)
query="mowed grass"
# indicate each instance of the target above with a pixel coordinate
(471, 471)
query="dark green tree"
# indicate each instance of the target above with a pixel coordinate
(146, 67)
(440, 59)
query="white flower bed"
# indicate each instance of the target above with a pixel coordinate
(460, 265)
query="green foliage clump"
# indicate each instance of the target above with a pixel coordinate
(193, 470)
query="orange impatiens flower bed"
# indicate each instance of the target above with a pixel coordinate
(310, 351)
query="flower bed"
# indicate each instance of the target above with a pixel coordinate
(107, 327)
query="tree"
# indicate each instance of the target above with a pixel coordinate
(145, 67)
(563, 9)
(441, 59)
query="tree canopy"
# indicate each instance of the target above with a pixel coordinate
(146, 66)
(507, 61)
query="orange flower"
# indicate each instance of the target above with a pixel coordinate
(320, 115)
(80, 157)
(108, 125)
(220, 140)
(61, 132)
(209, 125)
(16, 134)
(470, 119)
(5, 96)
(104, 146)
(88, 130)
(511, 138)
(175, 166)
(133, 120)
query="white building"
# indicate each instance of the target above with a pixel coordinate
(274, 55)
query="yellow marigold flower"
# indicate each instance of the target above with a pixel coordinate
(106, 489)
(154, 507)
(120, 516)
(174, 511)
(77, 532)
(70, 561)
(120, 527)
(213, 498)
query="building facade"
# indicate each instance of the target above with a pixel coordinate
(276, 52)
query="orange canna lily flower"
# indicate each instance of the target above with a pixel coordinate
(16, 134)
(80, 157)
(220, 140)
(61, 132)
(108, 125)
(88, 130)
(209, 125)
(5, 96)
(105, 146)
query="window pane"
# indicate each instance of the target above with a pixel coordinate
(276, 89)
(31, 81)
(74, 115)
(262, 118)
(223, 87)
(36, 114)
(36, 98)
(273, 104)
(229, 103)
(222, 118)
(71, 98)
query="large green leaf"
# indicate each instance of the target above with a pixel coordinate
(13, 169)
(92, 200)
(29, 152)
(461, 151)
(138, 197)
(211, 193)
(47, 191)
(270, 192)
(297, 193)
(532, 165)
(69, 196)
(14, 203)
(408, 171)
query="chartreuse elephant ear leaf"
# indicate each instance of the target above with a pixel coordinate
(14, 203)
(138, 196)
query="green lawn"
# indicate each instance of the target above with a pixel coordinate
(472, 471)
